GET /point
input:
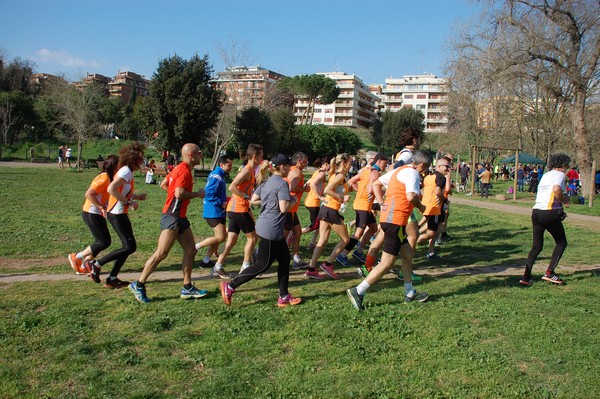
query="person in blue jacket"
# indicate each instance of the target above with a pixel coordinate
(215, 202)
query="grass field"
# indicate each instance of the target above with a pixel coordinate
(479, 336)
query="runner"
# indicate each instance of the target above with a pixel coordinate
(314, 198)
(213, 211)
(402, 196)
(366, 223)
(238, 211)
(548, 214)
(411, 139)
(175, 225)
(275, 200)
(330, 218)
(94, 215)
(122, 198)
(292, 222)
(433, 199)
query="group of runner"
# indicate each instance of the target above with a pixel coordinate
(393, 192)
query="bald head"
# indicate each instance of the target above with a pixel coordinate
(191, 154)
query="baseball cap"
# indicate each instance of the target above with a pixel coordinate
(281, 159)
(377, 158)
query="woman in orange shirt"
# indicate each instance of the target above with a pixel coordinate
(314, 198)
(238, 212)
(94, 215)
(330, 218)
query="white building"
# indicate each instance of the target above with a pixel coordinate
(426, 93)
(355, 107)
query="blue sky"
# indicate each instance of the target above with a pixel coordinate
(374, 39)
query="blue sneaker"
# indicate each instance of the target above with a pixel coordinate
(139, 292)
(192, 293)
(343, 260)
(359, 256)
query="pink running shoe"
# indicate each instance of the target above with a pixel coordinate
(226, 292)
(287, 301)
(329, 270)
(315, 275)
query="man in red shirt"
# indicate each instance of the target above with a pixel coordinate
(175, 226)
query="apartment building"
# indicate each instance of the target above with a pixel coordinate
(246, 86)
(426, 93)
(95, 78)
(355, 107)
(125, 83)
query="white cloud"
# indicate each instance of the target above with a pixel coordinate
(64, 58)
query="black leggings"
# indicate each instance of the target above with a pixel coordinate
(99, 229)
(546, 220)
(122, 226)
(268, 251)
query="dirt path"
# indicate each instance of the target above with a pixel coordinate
(573, 219)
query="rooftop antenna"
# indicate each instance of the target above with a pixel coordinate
(422, 53)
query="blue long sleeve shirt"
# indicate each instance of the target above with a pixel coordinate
(216, 195)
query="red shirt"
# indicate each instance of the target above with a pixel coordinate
(181, 176)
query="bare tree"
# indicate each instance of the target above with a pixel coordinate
(78, 111)
(8, 119)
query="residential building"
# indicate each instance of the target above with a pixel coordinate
(426, 93)
(95, 78)
(246, 86)
(40, 82)
(355, 107)
(125, 83)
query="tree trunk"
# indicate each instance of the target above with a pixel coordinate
(79, 150)
(581, 142)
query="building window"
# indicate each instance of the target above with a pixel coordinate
(421, 96)
(420, 106)
(408, 96)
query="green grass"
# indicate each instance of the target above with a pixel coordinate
(479, 335)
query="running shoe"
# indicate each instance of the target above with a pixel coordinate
(207, 265)
(299, 265)
(288, 300)
(355, 299)
(414, 277)
(395, 271)
(76, 264)
(311, 246)
(414, 296)
(362, 271)
(447, 237)
(343, 260)
(328, 269)
(93, 270)
(220, 273)
(226, 292)
(438, 242)
(526, 281)
(359, 256)
(139, 292)
(193, 292)
(315, 275)
(115, 283)
(552, 278)
(433, 256)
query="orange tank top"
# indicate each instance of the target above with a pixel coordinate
(240, 204)
(298, 195)
(396, 209)
(313, 197)
(100, 186)
(341, 190)
(363, 200)
(430, 200)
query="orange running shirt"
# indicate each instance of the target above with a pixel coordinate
(396, 208)
(100, 186)
(312, 198)
(363, 200)
(298, 195)
(341, 190)
(240, 204)
(430, 200)
(180, 176)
